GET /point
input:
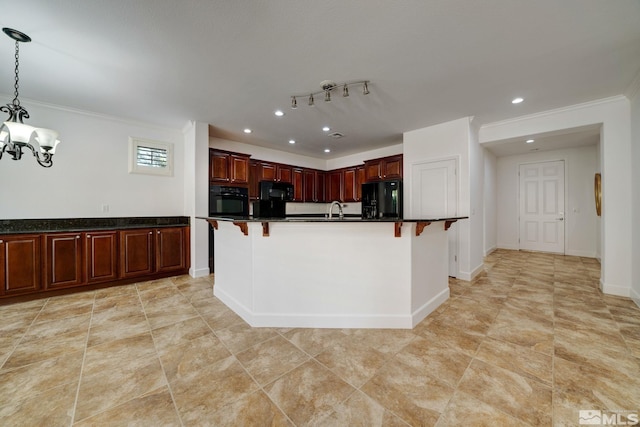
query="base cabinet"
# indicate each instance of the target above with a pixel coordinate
(64, 260)
(102, 256)
(38, 263)
(20, 267)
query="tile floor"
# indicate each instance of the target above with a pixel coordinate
(530, 342)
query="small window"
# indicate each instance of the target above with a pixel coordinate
(150, 157)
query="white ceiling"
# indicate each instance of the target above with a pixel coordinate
(232, 63)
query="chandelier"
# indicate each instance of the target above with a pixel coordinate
(15, 136)
(328, 87)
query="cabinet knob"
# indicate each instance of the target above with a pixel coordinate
(158, 231)
(88, 236)
(77, 237)
(1, 241)
(151, 232)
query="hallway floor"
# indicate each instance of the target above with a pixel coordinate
(532, 341)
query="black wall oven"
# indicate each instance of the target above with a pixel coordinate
(225, 201)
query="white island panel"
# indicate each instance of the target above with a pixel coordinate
(332, 274)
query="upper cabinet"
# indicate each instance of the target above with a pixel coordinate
(352, 184)
(383, 168)
(227, 167)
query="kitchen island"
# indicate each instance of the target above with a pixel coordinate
(331, 273)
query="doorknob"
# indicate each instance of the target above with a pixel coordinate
(560, 219)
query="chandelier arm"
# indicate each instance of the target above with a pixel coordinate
(45, 161)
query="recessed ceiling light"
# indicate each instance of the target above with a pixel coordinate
(326, 128)
(326, 150)
(517, 100)
(529, 141)
(279, 113)
(292, 141)
(247, 130)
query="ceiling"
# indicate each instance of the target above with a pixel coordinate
(233, 63)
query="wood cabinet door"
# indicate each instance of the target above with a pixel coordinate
(349, 192)
(360, 179)
(267, 171)
(170, 249)
(136, 252)
(21, 265)
(392, 168)
(321, 187)
(335, 185)
(64, 262)
(102, 256)
(254, 189)
(297, 180)
(309, 183)
(219, 166)
(285, 174)
(373, 170)
(239, 166)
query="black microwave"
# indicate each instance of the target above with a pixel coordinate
(276, 191)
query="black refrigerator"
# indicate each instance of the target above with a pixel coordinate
(382, 199)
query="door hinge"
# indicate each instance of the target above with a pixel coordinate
(455, 258)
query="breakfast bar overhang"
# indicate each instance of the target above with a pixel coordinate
(331, 273)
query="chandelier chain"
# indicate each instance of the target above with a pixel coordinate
(16, 101)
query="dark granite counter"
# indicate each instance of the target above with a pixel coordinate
(21, 226)
(322, 218)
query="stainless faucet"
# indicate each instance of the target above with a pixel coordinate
(334, 203)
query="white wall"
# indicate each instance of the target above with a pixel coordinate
(90, 169)
(580, 217)
(635, 199)
(453, 139)
(476, 210)
(614, 116)
(359, 158)
(490, 202)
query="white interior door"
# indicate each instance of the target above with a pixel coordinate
(434, 194)
(542, 206)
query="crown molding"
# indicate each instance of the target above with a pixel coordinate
(86, 113)
(553, 112)
(634, 88)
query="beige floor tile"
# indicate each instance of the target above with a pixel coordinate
(435, 358)
(117, 328)
(318, 392)
(525, 399)
(270, 359)
(314, 341)
(186, 359)
(168, 337)
(53, 407)
(413, 395)
(255, 409)
(465, 410)
(387, 341)
(32, 351)
(518, 359)
(118, 353)
(361, 410)
(524, 327)
(353, 362)
(154, 408)
(26, 381)
(241, 336)
(200, 394)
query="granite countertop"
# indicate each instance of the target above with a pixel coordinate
(322, 218)
(53, 225)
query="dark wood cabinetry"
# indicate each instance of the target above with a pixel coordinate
(147, 251)
(20, 267)
(171, 249)
(227, 167)
(313, 182)
(335, 184)
(353, 180)
(49, 263)
(383, 168)
(64, 260)
(285, 173)
(136, 252)
(101, 256)
(297, 179)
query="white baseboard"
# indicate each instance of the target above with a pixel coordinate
(635, 296)
(514, 247)
(427, 308)
(490, 250)
(304, 320)
(469, 276)
(584, 254)
(200, 272)
(609, 289)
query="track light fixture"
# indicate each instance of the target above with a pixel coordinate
(15, 136)
(329, 86)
